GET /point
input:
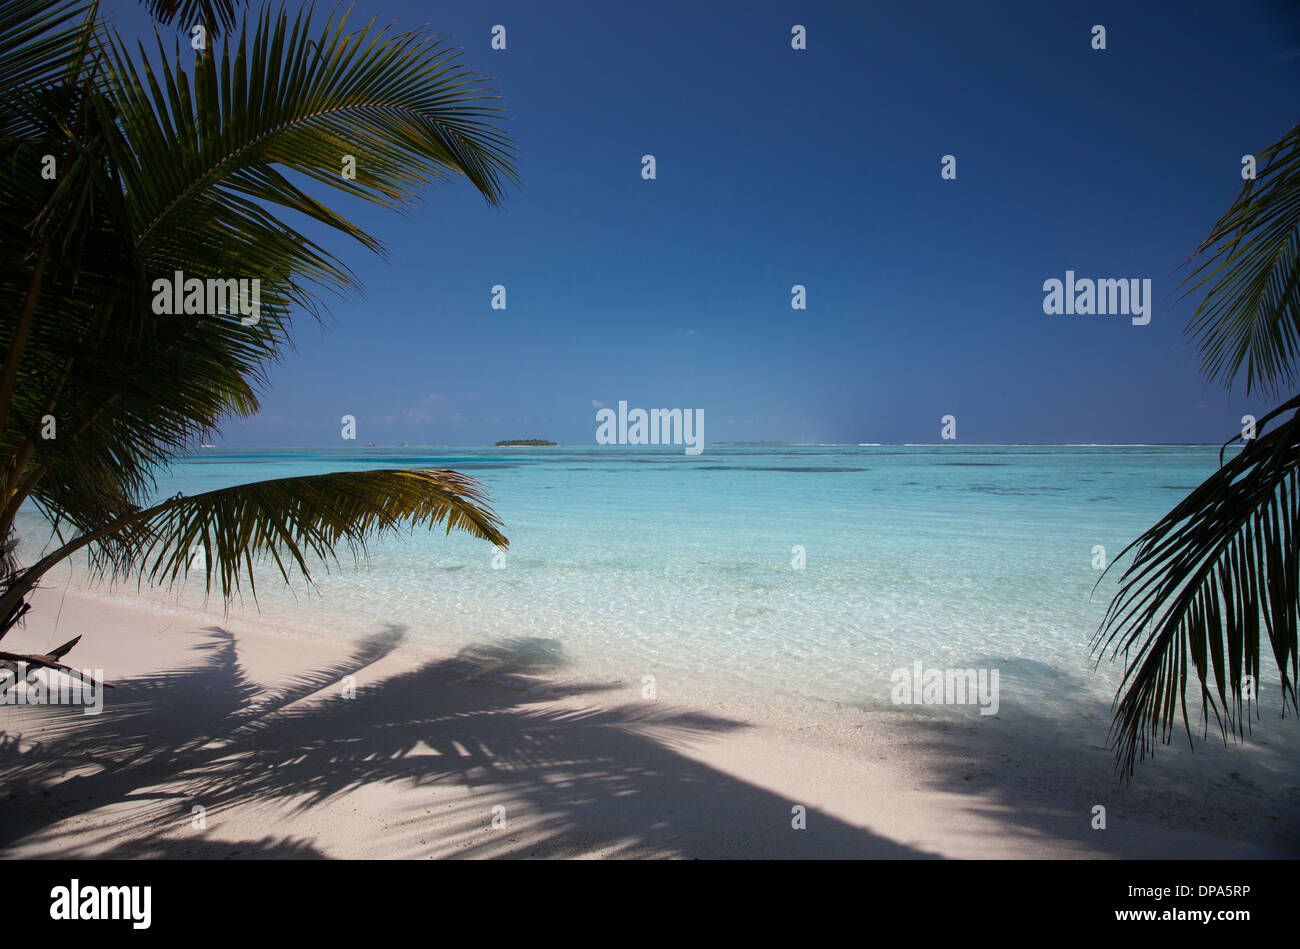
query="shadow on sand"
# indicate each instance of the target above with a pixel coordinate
(1041, 766)
(575, 781)
(606, 780)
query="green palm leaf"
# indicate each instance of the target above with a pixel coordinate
(1223, 564)
(290, 520)
(165, 166)
(217, 15)
(1250, 315)
(399, 103)
(39, 40)
(197, 184)
(1217, 570)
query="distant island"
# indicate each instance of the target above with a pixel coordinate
(517, 442)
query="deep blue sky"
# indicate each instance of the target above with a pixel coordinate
(818, 167)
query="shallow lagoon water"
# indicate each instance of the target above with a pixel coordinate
(626, 562)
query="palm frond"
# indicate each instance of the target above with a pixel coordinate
(217, 16)
(401, 104)
(185, 170)
(39, 40)
(1204, 581)
(1250, 314)
(293, 521)
(160, 169)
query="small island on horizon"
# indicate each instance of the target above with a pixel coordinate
(518, 442)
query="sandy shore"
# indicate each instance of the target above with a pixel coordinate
(256, 730)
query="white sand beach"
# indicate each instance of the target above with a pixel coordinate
(254, 728)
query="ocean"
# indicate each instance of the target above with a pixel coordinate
(777, 572)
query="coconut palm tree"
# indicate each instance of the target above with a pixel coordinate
(1221, 572)
(120, 168)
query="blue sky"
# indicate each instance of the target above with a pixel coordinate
(818, 167)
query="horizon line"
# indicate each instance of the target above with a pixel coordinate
(738, 444)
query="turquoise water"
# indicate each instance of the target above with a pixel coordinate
(647, 561)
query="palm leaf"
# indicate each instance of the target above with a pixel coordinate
(400, 103)
(293, 521)
(1204, 581)
(38, 41)
(164, 168)
(216, 15)
(1250, 315)
(197, 187)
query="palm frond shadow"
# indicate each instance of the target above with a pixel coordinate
(301, 745)
(1039, 768)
